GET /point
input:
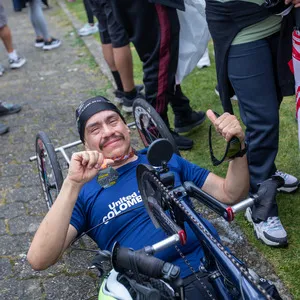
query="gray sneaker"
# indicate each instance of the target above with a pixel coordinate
(17, 63)
(270, 232)
(291, 183)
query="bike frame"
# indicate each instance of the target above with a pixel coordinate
(204, 236)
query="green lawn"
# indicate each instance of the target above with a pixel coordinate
(199, 87)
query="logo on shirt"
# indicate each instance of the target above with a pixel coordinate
(121, 205)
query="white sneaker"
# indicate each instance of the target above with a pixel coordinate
(1, 70)
(291, 183)
(270, 232)
(17, 63)
(88, 29)
(234, 97)
(204, 60)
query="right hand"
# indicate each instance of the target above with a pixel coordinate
(227, 125)
(295, 2)
(85, 165)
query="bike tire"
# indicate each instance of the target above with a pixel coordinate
(150, 125)
(48, 167)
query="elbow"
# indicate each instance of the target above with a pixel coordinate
(236, 197)
(36, 262)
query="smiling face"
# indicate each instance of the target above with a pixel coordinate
(106, 132)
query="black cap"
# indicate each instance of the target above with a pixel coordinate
(90, 107)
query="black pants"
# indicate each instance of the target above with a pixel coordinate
(154, 31)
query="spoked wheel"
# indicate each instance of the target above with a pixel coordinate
(150, 125)
(49, 169)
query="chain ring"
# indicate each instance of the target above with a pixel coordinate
(170, 197)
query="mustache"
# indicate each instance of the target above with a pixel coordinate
(108, 139)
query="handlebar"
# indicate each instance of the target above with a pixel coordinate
(266, 192)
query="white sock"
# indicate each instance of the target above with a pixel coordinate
(13, 55)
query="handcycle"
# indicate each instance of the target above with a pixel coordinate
(168, 208)
(229, 276)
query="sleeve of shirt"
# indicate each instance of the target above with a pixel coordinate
(78, 218)
(192, 172)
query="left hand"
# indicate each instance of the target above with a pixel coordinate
(227, 125)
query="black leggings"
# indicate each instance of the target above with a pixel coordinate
(89, 12)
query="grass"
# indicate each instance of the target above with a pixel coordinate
(199, 87)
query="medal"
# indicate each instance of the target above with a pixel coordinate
(107, 177)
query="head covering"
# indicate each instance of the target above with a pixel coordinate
(90, 107)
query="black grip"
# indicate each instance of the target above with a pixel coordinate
(124, 259)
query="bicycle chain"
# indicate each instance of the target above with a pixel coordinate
(169, 196)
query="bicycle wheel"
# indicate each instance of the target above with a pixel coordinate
(49, 169)
(150, 125)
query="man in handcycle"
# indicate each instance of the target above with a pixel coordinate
(83, 203)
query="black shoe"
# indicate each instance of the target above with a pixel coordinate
(52, 44)
(8, 109)
(3, 128)
(120, 94)
(127, 103)
(182, 142)
(187, 124)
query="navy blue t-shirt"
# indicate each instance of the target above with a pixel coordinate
(135, 228)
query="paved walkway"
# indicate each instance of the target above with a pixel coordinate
(50, 87)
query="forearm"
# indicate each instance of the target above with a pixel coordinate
(49, 240)
(236, 184)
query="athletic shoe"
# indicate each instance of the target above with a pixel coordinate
(120, 94)
(291, 183)
(182, 142)
(8, 109)
(3, 128)
(204, 60)
(233, 97)
(88, 29)
(127, 103)
(187, 124)
(17, 63)
(39, 43)
(270, 232)
(1, 70)
(54, 43)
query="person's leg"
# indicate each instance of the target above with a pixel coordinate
(38, 20)
(89, 12)
(251, 73)
(124, 65)
(15, 60)
(5, 35)
(108, 54)
(107, 48)
(122, 57)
